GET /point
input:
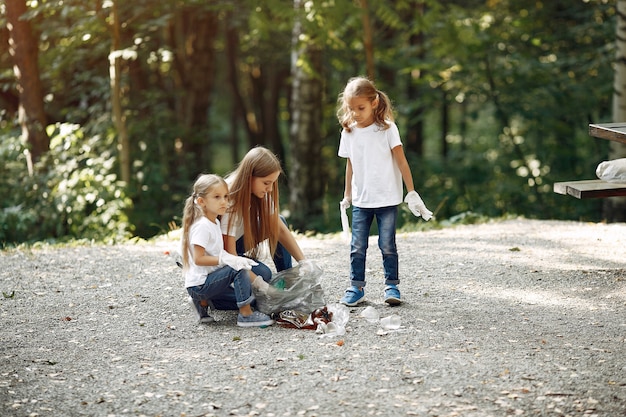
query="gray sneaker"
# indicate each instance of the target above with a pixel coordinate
(256, 319)
(201, 313)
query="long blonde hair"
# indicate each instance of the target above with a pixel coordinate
(192, 211)
(260, 216)
(363, 87)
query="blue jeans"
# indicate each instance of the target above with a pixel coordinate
(282, 261)
(218, 284)
(362, 219)
(282, 258)
(227, 300)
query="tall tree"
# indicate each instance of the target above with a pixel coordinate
(306, 179)
(415, 89)
(368, 44)
(115, 72)
(192, 33)
(23, 47)
(259, 70)
(238, 105)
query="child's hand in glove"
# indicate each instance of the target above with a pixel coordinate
(417, 206)
(236, 262)
(307, 267)
(259, 286)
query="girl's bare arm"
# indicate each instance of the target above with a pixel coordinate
(289, 242)
(201, 258)
(405, 170)
(347, 193)
(230, 244)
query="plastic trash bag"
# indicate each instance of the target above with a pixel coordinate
(345, 225)
(612, 171)
(293, 289)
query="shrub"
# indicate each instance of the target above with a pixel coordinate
(73, 193)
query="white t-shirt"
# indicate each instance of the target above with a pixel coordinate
(207, 234)
(236, 229)
(376, 178)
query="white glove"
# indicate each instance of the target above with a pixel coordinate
(260, 285)
(417, 206)
(344, 204)
(236, 262)
(307, 267)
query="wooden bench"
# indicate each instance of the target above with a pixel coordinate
(590, 189)
(609, 131)
(597, 188)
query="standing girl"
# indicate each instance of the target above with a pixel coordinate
(375, 168)
(208, 269)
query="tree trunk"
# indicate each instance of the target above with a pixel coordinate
(192, 35)
(305, 174)
(614, 209)
(238, 104)
(115, 73)
(445, 122)
(367, 41)
(267, 88)
(23, 47)
(415, 120)
(257, 108)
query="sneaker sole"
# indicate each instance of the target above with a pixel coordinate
(393, 301)
(206, 320)
(200, 320)
(354, 303)
(255, 323)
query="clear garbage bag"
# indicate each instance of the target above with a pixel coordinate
(296, 289)
(612, 171)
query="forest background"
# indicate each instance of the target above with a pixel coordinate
(109, 109)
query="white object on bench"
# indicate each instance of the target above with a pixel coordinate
(612, 171)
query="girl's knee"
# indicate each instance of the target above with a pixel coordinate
(263, 270)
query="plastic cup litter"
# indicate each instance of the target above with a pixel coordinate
(390, 322)
(370, 314)
(335, 329)
(330, 329)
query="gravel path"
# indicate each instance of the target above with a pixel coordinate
(517, 317)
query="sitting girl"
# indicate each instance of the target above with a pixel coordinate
(209, 270)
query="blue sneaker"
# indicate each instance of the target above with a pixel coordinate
(256, 319)
(201, 313)
(353, 296)
(392, 295)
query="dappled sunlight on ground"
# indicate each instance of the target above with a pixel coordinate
(542, 298)
(539, 244)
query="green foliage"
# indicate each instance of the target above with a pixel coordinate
(73, 59)
(75, 193)
(162, 175)
(524, 79)
(519, 80)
